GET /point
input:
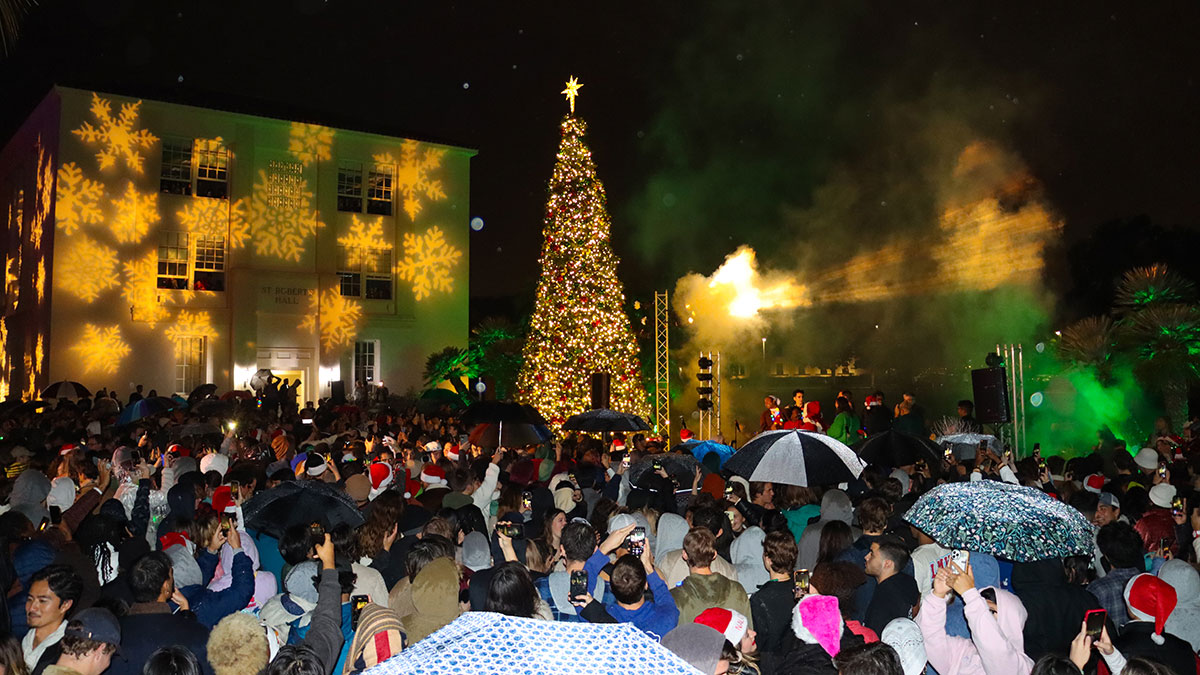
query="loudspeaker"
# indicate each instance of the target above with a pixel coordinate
(337, 392)
(601, 390)
(990, 389)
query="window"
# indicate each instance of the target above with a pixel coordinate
(379, 190)
(366, 361)
(176, 175)
(350, 270)
(173, 261)
(190, 364)
(375, 264)
(212, 169)
(350, 192)
(208, 268)
(285, 186)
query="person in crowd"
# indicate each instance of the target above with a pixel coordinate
(174, 660)
(843, 580)
(704, 588)
(877, 417)
(237, 645)
(1054, 607)
(52, 595)
(816, 637)
(88, 644)
(967, 423)
(772, 415)
(1150, 602)
(150, 622)
(747, 555)
(700, 646)
(845, 424)
(740, 648)
(905, 637)
(760, 510)
(875, 658)
(996, 619)
(1184, 621)
(771, 605)
(631, 578)
(1121, 548)
(674, 568)
(835, 505)
(1157, 526)
(896, 593)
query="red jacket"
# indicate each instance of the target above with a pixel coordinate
(1156, 525)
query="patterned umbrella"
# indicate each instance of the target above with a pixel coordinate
(965, 444)
(1007, 521)
(485, 643)
(796, 457)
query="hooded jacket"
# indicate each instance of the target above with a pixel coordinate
(698, 592)
(435, 597)
(747, 554)
(835, 505)
(1055, 608)
(996, 646)
(1185, 620)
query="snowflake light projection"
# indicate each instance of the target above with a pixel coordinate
(101, 349)
(87, 268)
(116, 136)
(40, 283)
(140, 289)
(189, 325)
(216, 219)
(310, 142)
(338, 317)
(5, 370)
(135, 213)
(428, 261)
(45, 195)
(78, 199)
(34, 364)
(282, 216)
(363, 238)
(414, 180)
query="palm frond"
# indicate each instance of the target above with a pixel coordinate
(1143, 287)
(12, 12)
(1088, 341)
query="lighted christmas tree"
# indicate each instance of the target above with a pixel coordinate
(579, 326)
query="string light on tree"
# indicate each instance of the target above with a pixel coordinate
(579, 325)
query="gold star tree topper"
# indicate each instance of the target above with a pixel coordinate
(572, 90)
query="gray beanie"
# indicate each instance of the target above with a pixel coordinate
(476, 553)
(187, 570)
(299, 581)
(697, 644)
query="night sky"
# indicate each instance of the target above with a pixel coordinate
(709, 122)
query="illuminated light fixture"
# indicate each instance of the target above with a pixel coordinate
(477, 223)
(1036, 399)
(994, 360)
(1040, 347)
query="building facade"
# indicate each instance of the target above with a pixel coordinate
(170, 246)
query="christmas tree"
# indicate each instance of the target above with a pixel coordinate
(579, 326)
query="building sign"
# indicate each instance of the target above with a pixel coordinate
(285, 295)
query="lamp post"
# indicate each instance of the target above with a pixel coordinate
(764, 343)
(480, 387)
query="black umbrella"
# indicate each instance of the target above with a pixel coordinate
(203, 391)
(603, 419)
(894, 448)
(681, 467)
(795, 457)
(29, 407)
(211, 407)
(66, 389)
(508, 434)
(147, 407)
(490, 412)
(300, 503)
(201, 429)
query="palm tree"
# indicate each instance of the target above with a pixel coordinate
(1089, 342)
(1159, 326)
(449, 365)
(11, 14)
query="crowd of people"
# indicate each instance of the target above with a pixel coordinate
(127, 549)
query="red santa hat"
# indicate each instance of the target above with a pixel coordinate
(618, 444)
(381, 477)
(222, 500)
(686, 435)
(66, 449)
(433, 474)
(730, 623)
(452, 453)
(1151, 598)
(1094, 483)
(411, 488)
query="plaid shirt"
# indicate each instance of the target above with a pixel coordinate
(1110, 591)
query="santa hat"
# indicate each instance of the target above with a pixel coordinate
(816, 620)
(618, 444)
(452, 453)
(1094, 483)
(433, 474)
(1151, 597)
(732, 624)
(222, 500)
(172, 538)
(686, 435)
(411, 488)
(66, 449)
(381, 477)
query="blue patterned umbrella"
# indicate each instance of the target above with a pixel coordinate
(488, 643)
(1008, 521)
(701, 448)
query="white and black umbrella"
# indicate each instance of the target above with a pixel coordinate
(65, 389)
(796, 457)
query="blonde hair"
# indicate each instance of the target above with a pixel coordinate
(238, 646)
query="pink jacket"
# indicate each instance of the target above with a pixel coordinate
(996, 646)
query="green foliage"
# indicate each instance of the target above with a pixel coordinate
(1143, 287)
(493, 352)
(1088, 342)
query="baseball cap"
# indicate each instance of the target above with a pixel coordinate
(97, 624)
(1109, 499)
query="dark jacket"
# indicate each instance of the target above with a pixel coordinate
(893, 599)
(211, 606)
(1055, 607)
(150, 625)
(1174, 653)
(771, 610)
(802, 658)
(324, 634)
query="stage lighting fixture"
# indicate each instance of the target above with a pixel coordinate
(994, 360)
(1036, 399)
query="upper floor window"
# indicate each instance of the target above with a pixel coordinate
(212, 169)
(210, 160)
(173, 260)
(176, 175)
(350, 187)
(379, 189)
